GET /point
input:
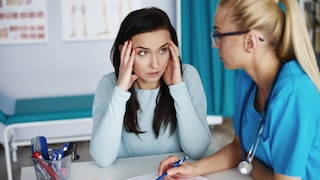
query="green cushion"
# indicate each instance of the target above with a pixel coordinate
(50, 108)
(46, 116)
(53, 104)
(2, 117)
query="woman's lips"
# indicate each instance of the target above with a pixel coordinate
(153, 74)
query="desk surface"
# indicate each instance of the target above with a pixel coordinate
(126, 168)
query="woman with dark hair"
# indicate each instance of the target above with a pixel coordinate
(152, 103)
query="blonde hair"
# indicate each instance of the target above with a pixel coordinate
(285, 30)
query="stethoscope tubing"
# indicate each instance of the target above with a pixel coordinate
(256, 140)
(255, 145)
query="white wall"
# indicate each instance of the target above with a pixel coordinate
(57, 67)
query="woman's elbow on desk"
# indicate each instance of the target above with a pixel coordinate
(194, 156)
(102, 164)
(196, 148)
(101, 160)
(197, 151)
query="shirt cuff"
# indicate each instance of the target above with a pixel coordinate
(178, 89)
(121, 93)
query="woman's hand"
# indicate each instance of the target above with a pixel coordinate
(172, 75)
(126, 77)
(185, 170)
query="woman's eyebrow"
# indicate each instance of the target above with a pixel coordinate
(164, 45)
(141, 47)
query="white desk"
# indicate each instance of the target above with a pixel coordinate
(126, 168)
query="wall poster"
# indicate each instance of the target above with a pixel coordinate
(23, 21)
(94, 19)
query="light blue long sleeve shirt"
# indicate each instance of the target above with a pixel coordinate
(110, 140)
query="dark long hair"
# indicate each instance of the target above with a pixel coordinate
(137, 22)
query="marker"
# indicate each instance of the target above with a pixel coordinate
(42, 171)
(47, 168)
(44, 147)
(175, 164)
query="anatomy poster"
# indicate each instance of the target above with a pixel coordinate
(23, 21)
(94, 19)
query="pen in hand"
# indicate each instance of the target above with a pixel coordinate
(175, 164)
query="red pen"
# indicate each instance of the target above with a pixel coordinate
(49, 170)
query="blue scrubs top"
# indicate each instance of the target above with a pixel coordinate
(290, 143)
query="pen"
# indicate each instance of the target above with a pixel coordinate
(175, 164)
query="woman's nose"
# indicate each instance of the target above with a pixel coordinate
(154, 62)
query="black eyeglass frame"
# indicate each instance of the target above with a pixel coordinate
(214, 35)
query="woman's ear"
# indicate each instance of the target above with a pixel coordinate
(251, 41)
(120, 47)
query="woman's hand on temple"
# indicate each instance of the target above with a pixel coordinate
(126, 76)
(172, 75)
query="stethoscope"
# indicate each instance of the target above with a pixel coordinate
(245, 166)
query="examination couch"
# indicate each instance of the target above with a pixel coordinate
(60, 119)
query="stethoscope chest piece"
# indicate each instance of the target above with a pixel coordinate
(245, 167)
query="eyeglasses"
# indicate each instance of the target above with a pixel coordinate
(215, 36)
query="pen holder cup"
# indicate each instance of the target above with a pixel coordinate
(53, 169)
